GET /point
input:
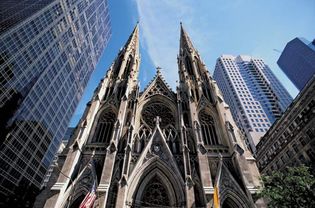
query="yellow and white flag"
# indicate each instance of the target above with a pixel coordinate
(216, 199)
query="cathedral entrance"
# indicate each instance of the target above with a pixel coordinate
(229, 203)
(156, 187)
(155, 194)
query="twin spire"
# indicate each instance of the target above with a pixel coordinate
(132, 45)
(133, 40)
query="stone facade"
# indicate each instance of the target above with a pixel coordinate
(156, 147)
(291, 139)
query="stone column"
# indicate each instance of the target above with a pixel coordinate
(108, 167)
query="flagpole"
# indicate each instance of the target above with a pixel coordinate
(216, 193)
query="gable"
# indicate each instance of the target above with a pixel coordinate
(156, 150)
(158, 87)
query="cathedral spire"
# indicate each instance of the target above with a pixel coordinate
(126, 64)
(185, 41)
(133, 41)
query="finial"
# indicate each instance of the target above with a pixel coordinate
(157, 120)
(158, 69)
(181, 23)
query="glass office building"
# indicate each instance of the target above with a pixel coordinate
(46, 60)
(14, 11)
(256, 97)
(297, 61)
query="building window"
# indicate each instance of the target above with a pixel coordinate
(310, 134)
(208, 129)
(295, 147)
(105, 127)
(311, 154)
(188, 66)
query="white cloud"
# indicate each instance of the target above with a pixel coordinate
(215, 28)
(160, 30)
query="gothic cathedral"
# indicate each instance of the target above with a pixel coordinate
(156, 148)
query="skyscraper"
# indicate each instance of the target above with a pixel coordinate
(13, 12)
(46, 59)
(297, 61)
(156, 148)
(255, 95)
(290, 141)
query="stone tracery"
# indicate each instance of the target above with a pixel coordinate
(105, 127)
(155, 194)
(152, 110)
(208, 128)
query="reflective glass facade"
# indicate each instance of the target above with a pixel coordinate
(297, 61)
(46, 61)
(14, 11)
(254, 94)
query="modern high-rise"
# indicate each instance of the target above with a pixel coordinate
(46, 57)
(290, 141)
(254, 94)
(13, 12)
(297, 61)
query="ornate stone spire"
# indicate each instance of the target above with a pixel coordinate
(133, 41)
(127, 63)
(185, 41)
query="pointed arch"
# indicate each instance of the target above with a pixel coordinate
(79, 188)
(128, 67)
(207, 93)
(188, 66)
(155, 193)
(197, 64)
(169, 180)
(230, 203)
(144, 132)
(104, 127)
(170, 132)
(208, 128)
(232, 200)
(141, 138)
(117, 66)
(171, 136)
(231, 192)
(159, 108)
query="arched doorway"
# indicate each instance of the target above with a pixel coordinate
(229, 203)
(76, 203)
(155, 194)
(233, 200)
(156, 185)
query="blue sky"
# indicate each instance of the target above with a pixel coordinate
(258, 28)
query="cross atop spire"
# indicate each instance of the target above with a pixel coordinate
(158, 70)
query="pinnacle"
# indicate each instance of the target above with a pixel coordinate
(184, 38)
(133, 40)
(158, 75)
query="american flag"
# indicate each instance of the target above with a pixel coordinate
(89, 199)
